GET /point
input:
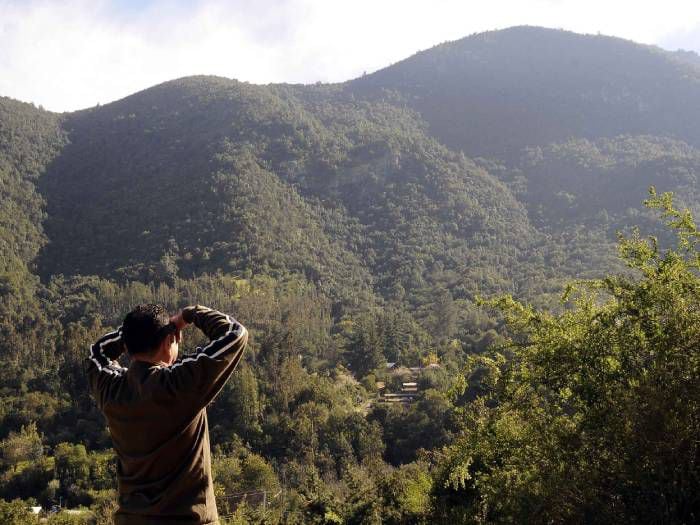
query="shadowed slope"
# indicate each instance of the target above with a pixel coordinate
(496, 92)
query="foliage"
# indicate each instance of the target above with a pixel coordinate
(21, 446)
(15, 512)
(590, 415)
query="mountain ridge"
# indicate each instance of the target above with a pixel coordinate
(374, 179)
(493, 93)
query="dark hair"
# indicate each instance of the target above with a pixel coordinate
(145, 327)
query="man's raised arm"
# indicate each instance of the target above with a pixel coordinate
(201, 375)
(101, 362)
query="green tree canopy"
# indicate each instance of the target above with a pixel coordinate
(591, 415)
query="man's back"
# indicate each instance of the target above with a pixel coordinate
(157, 419)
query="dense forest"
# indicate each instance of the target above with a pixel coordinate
(471, 280)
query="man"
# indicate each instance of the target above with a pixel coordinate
(156, 413)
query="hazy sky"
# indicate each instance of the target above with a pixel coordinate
(72, 54)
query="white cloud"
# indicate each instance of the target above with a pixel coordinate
(72, 54)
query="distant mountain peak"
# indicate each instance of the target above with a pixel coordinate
(493, 93)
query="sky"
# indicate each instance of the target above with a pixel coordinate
(72, 54)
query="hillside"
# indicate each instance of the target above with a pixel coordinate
(29, 140)
(339, 182)
(363, 188)
(599, 184)
(207, 174)
(491, 94)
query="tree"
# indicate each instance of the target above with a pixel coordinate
(16, 512)
(238, 406)
(364, 350)
(72, 467)
(24, 445)
(592, 414)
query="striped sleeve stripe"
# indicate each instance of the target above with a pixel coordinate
(217, 347)
(98, 357)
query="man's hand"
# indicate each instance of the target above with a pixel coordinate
(180, 324)
(178, 321)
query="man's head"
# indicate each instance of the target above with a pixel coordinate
(149, 335)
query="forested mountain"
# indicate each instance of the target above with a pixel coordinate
(29, 139)
(343, 191)
(353, 224)
(312, 179)
(493, 93)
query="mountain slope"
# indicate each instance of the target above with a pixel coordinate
(29, 139)
(353, 185)
(582, 181)
(161, 190)
(491, 94)
(205, 174)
